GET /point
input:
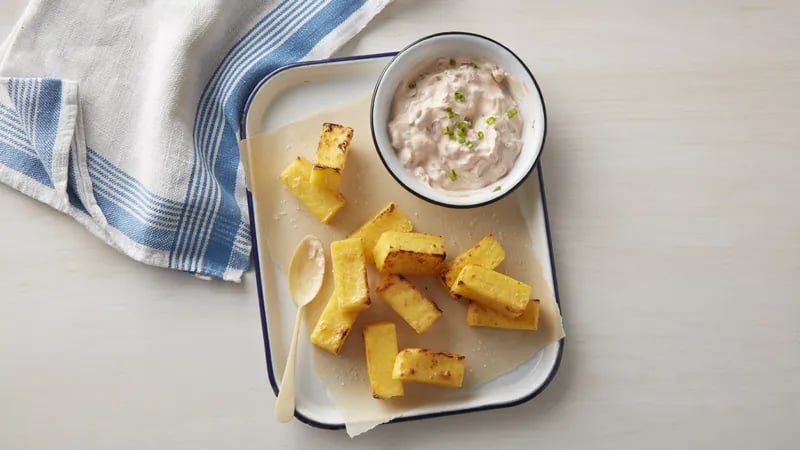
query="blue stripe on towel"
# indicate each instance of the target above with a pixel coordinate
(202, 187)
(138, 213)
(12, 128)
(27, 131)
(131, 226)
(206, 232)
(15, 137)
(136, 188)
(37, 102)
(211, 193)
(28, 127)
(24, 163)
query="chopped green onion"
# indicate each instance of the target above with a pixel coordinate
(412, 85)
(512, 113)
(480, 135)
(447, 131)
(452, 175)
(450, 113)
(462, 140)
(491, 120)
(459, 97)
(496, 188)
(469, 144)
(452, 62)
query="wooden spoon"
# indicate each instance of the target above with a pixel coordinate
(306, 272)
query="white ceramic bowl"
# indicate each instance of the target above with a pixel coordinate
(524, 89)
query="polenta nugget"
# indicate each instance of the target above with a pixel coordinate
(492, 290)
(333, 327)
(332, 151)
(390, 218)
(350, 274)
(481, 316)
(408, 302)
(323, 203)
(486, 253)
(426, 366)
(380, 345)
(409, 253)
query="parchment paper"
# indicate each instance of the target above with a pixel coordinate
(368, 187)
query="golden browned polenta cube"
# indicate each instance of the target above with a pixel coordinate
(380, 344)
(492, 290)
(408, 253)
(486, 253)
(390, 218)
(426, 366)
(323, 203)
(350, 274)
(333, 327)
(332, 149)
(408, 302)
(481, 316)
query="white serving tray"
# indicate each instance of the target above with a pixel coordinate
(292, 93)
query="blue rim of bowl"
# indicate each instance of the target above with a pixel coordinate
(411, 190)
(271, 376)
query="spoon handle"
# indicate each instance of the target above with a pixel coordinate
(284, 405)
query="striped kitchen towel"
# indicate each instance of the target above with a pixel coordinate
(125, 114)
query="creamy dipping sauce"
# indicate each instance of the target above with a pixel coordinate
(454, 125)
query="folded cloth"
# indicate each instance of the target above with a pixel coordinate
(125, 114)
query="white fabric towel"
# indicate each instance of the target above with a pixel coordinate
(125, 114)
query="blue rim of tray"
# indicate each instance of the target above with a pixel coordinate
(273, 381)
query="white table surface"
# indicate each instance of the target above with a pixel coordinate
(672, 169)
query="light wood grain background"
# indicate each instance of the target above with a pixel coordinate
(672, 171)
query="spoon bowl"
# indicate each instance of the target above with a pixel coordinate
(306, 272)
